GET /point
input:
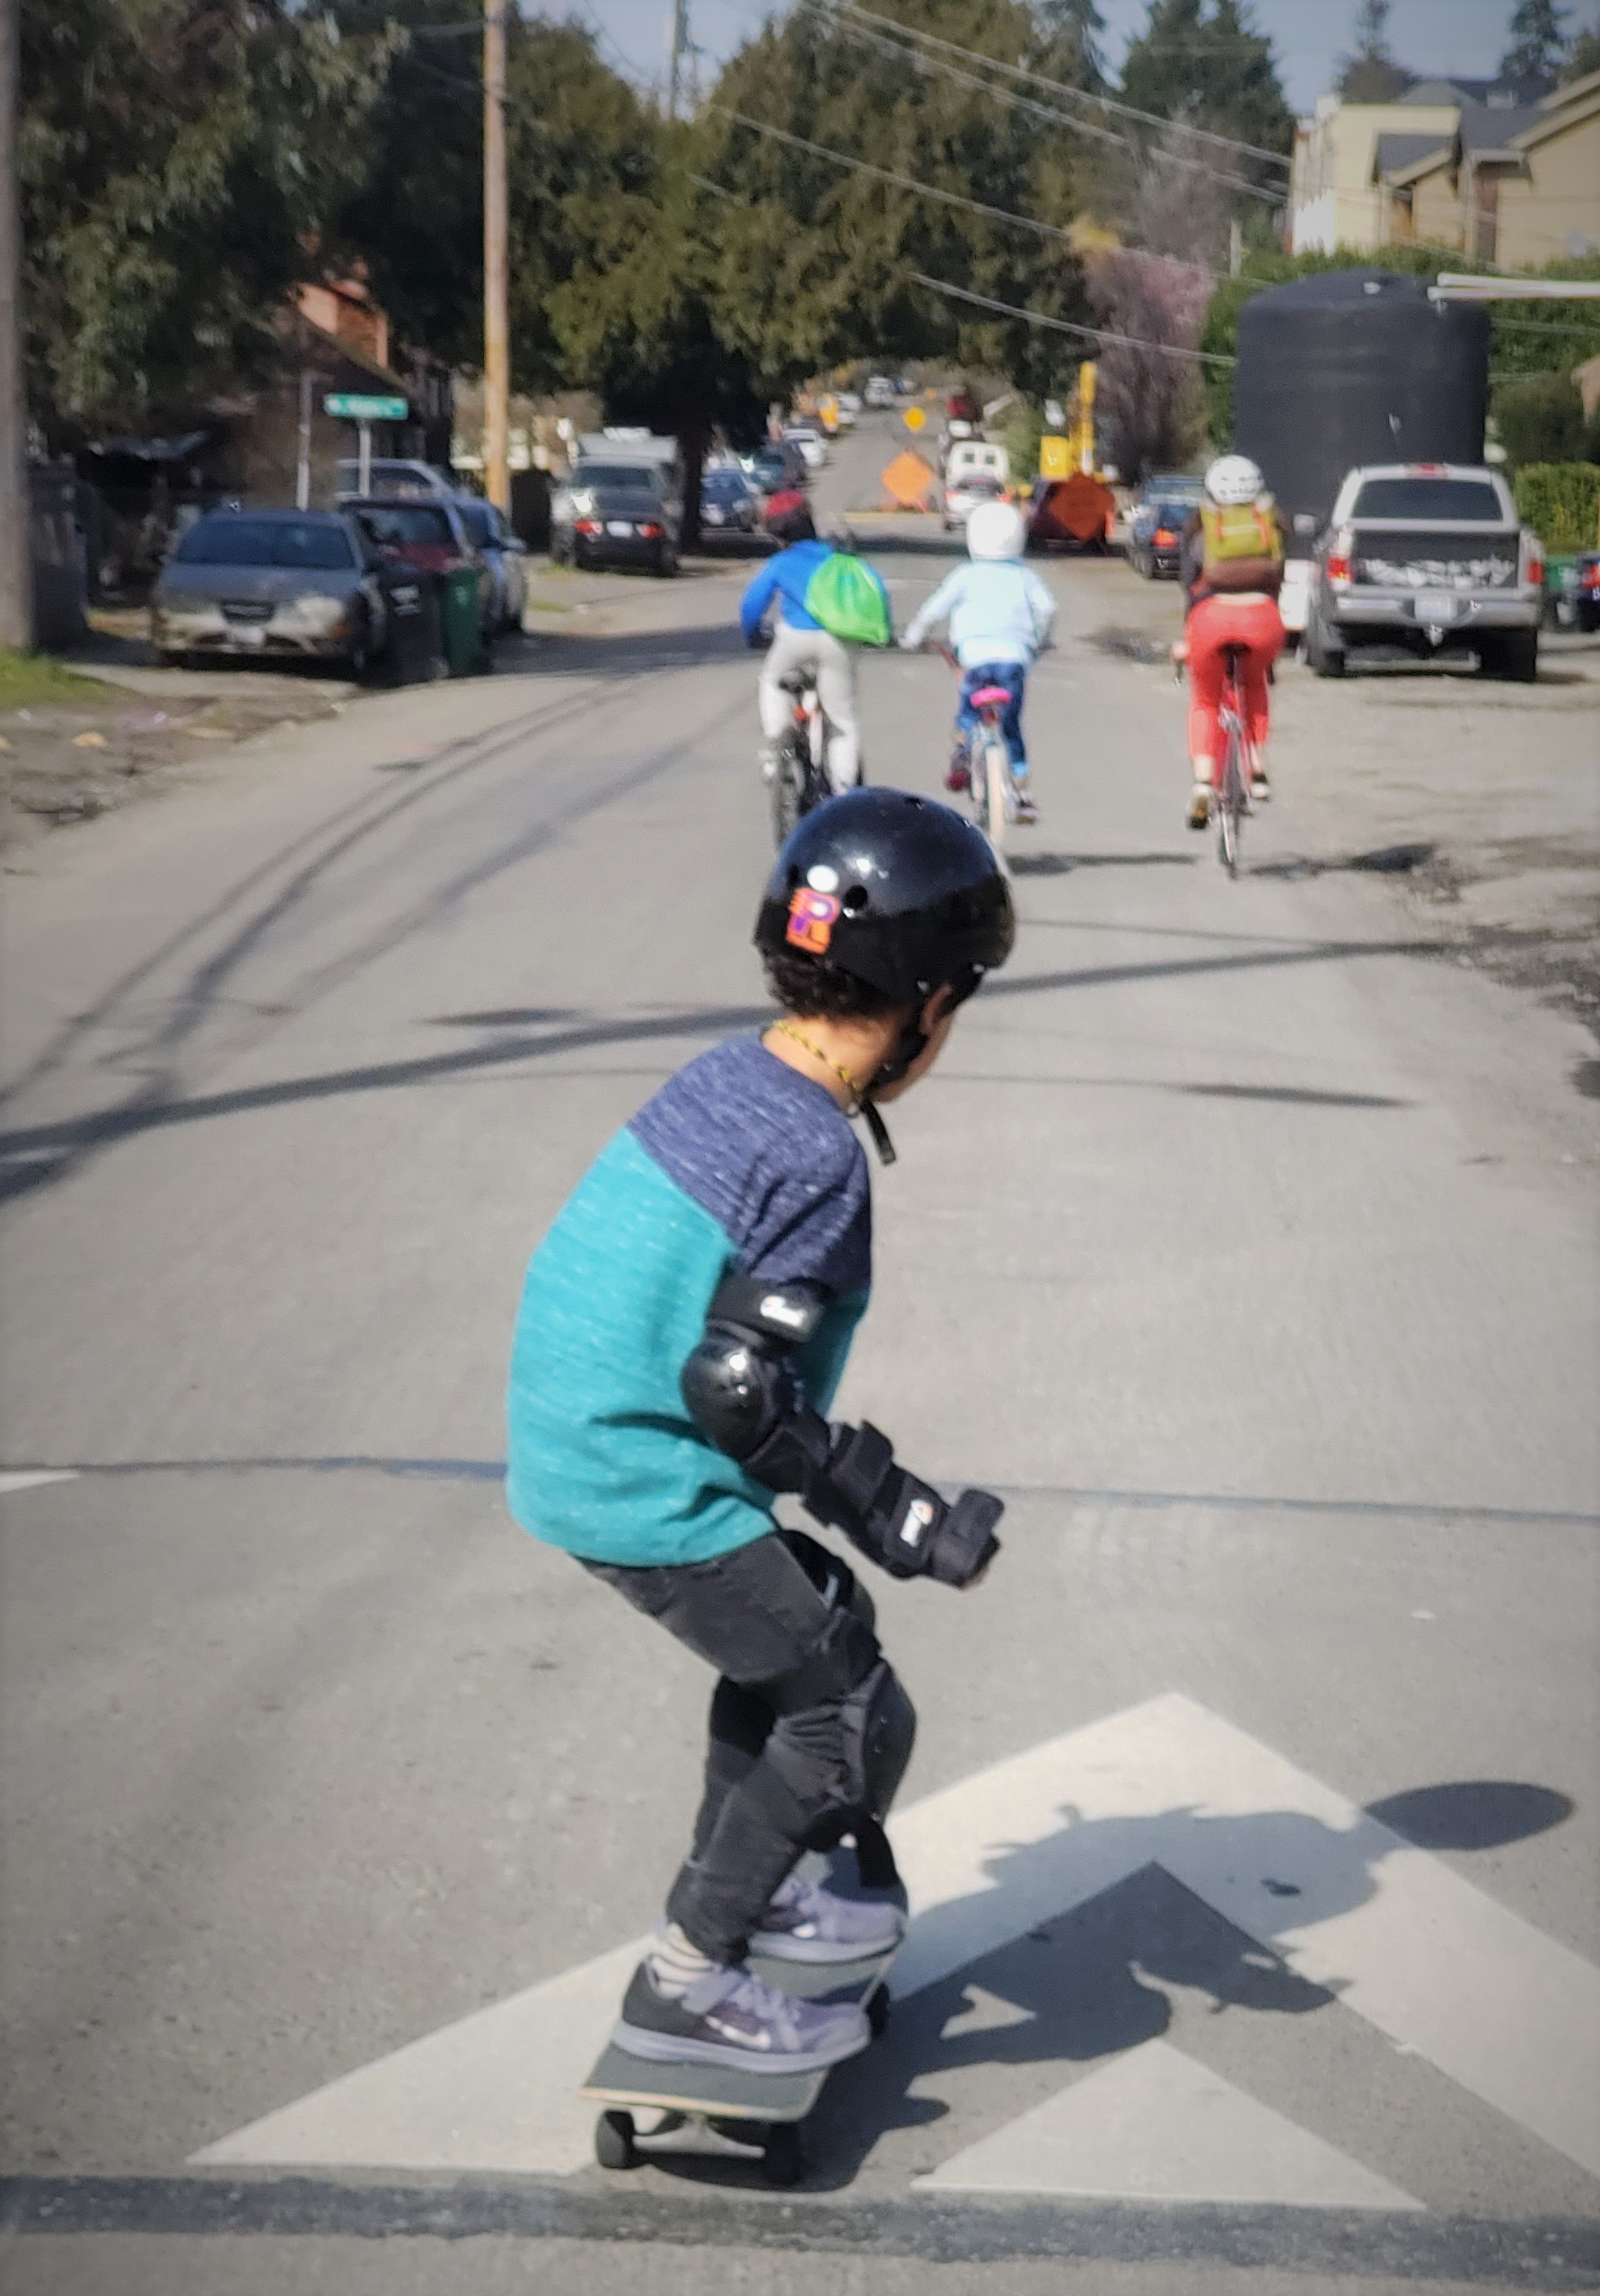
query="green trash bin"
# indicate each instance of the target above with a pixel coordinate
(463, 621)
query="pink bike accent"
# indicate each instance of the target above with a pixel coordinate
(989, 698)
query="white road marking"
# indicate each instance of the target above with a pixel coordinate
(1152, 2125)
(29, 1478)
(1435, 1965)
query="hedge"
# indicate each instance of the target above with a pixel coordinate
(1561, 501)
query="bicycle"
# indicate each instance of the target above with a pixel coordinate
(800, 781)
(1230, 786)
(992, 791)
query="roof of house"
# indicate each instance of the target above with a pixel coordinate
(1493, 126)
(1439, 90)
(1394, 152)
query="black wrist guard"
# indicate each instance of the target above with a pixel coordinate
(900, 1522)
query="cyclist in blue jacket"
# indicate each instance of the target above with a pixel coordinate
(1000, 615)
(800, 643)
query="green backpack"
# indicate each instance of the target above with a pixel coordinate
(848, 599)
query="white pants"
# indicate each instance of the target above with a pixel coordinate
(833, 666)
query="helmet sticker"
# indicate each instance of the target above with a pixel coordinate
(812, 916)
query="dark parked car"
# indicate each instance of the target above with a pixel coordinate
(728, 505)
(433, 537)
(297, 582)
(507, 556)
(776, 465)
(616, 514)
(1155, 535)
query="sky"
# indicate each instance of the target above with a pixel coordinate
(1464, 36)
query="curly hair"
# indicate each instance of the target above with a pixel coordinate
(812, 988)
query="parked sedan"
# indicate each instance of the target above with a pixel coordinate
(728, 505)
(434, 538)
(965, 491)
(616, 514)
(308, 585)
(506, 553)
(776, 465)
(813, 446)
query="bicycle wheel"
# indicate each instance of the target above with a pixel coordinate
(977, 781)
(788, 792)
(1230, 805)
(997, 776)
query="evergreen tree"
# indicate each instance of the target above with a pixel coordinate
(1213, 71)
(1583, 56)
(1370, 74)
(1535, 50)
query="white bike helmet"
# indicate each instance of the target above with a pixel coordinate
(996, 529)
(1233, 479)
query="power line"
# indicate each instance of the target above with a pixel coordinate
(1066, 327)
(1061, 87)
(889, 175)
(1018, 102)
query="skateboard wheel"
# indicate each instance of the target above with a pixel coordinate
(783, 2159)
(877, 2011)
(613, 2140)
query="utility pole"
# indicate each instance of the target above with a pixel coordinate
(497, 325)
(16, 558)
(679, 48)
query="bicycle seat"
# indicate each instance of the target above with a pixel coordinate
(991, 696)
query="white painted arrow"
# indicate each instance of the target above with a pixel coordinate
(1406, 1944)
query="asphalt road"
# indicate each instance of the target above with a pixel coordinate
(1243, 1240)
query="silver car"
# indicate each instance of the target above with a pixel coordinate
(505, 555)
(305, 584)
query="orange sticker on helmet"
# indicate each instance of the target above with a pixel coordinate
(811, 918)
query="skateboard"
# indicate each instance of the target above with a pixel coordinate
(722, 2109)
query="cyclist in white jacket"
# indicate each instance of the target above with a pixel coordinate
(1000, 614)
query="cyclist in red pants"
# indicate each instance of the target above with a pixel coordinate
(1233, 570)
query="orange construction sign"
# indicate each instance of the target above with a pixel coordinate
(908, 481)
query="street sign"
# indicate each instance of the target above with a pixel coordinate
(914, 417)
(358, 407)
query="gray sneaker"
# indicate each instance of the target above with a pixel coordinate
(731, 2017)
(806, 1922)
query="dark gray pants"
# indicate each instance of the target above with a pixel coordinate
(760, 1615)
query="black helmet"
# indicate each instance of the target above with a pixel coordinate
(901, 890)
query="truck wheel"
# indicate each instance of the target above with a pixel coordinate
(1514, 655)
(1323, 659)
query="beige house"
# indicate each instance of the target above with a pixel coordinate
(1335, 198)
(1515, 185)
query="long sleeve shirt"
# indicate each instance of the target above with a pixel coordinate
(998, 611)
(782, 581)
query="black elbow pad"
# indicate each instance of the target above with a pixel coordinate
(741, 1389)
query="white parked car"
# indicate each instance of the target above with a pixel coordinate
(879, 392)
(813, 446)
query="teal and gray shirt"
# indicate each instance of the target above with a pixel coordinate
(740, 1165)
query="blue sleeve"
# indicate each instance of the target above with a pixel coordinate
(753, 605)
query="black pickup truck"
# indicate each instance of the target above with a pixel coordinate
(1430, 557)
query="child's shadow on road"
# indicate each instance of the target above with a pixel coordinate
(1091, 1983)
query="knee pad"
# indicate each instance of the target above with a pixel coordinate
(827, 1767)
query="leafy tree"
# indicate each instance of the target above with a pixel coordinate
(579, 147)
(1541, 419)
(177, 158)
(1212, 70)
(1536, 48)
(813, 260)
(1583, 56)
(1370, 74)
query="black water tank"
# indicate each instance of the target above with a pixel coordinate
(1355, 366)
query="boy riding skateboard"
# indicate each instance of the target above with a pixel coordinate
(682, 1331)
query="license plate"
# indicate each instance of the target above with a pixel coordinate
(249, 634)
(618, 526)
(1436, 606)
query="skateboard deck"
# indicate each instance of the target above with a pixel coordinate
(722, 2108)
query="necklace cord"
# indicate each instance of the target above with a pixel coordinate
(853, 1085)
